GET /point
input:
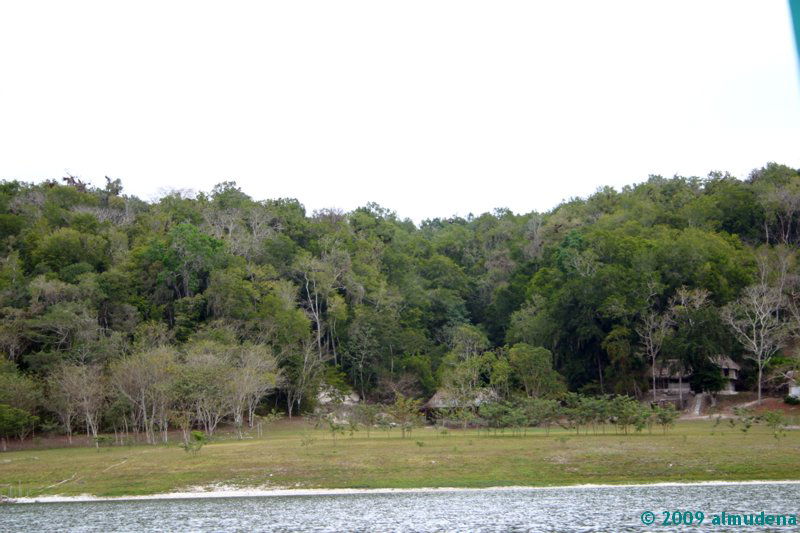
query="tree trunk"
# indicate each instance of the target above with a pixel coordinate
(760, 370)
(654, 379)
(600, 373)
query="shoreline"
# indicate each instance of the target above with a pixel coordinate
(223, 491)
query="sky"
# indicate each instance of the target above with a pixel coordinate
(431, 108)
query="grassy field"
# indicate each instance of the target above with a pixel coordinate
(287, 457)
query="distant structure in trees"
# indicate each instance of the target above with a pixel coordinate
(444, 400)
(673, 380)
(730, 370)
(792, 385)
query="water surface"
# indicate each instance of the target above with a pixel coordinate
(553, 509)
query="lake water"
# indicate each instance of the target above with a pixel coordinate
(552, 509)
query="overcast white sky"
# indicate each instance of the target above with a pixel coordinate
(430, 108)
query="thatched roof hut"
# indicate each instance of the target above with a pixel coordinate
(444, 399)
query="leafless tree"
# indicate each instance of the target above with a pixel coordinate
(208, 366)
(653, 330)
(62, 400)
(307, 365)
(783, 205)
(143, 379)
(755, 319)
(363, 346)
(253, 374)
(321, 277)
(533, 236)
(12, 337)
(79, 391)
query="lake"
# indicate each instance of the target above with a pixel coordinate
(546, 509)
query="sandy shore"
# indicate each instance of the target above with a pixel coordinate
(222, 491)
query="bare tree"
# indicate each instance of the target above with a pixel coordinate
(305, 366)
(321, 278)
(208, 366)
(143, 379)
(78, 391)
(782, 206)
(363, 346)
(653, 330)
(253, 374)
(755, 319)
(62, 400)
(533, 236)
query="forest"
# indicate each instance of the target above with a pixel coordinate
(211, 308)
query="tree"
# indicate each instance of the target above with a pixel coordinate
(320, 277)
(254, 373)
(61, 401)
(214, 389)
(303, 368)
(623, 372)
(653, 330)
(665, 416)
(144, 378)
(362, 347)
(755, 319)
(194, 442)
(78, 391)
(368, 415)
(19, 390)
(464, 383)
(693, 343)
(541, 412)
(14, 423)
(534, 368)
(405, 413)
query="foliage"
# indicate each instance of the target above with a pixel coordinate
(197, 440)
(14, 423)
(405, 413)
(666, 416)
(200, 310)
(776, 421)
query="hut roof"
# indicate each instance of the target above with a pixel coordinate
(671, 368)
(444, 399)
(723, 361)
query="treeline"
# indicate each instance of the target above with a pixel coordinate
(571, 411)
(582, 298)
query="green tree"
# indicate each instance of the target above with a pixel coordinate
(534, 369)
(14, 423)
(405, 412)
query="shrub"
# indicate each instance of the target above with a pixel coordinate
(196, 441)
(792, 400)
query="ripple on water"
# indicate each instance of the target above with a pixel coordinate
(576, 509)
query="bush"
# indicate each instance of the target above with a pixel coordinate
(792, 400)
(196, 441)
(776, 422)
(666, 416)
(103, 440)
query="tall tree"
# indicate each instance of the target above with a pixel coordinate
(653, 330)
(755, 319)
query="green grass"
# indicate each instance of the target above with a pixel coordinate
(425, 459)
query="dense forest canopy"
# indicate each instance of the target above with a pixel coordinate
(220, 288)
